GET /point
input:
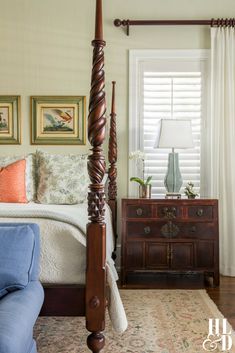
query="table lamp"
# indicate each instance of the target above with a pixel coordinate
(174, 133)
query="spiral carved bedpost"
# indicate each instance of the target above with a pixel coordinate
(112, 172)
(96, 228)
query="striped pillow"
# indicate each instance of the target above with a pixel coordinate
(12, 182)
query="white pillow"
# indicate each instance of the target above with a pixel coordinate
(62, 179)
(30, 173)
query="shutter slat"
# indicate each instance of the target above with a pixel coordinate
(175, 74)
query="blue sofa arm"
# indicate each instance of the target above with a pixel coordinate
(22, 294)
(18, 313)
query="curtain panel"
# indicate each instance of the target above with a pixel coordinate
(223, 140)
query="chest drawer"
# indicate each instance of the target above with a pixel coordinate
(146, 229)
(170, 230)
(200, 212)
(139, 211)
(198, 230)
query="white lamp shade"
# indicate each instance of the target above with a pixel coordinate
(174, 133)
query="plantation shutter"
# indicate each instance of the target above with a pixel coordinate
(170, 94)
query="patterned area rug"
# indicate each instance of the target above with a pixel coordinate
(160, 321)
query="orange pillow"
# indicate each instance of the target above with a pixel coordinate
(12, 182)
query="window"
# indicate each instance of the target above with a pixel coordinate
(166, 84)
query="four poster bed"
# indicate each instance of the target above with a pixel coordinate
(64, 226)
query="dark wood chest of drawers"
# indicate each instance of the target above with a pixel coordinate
(170, 236)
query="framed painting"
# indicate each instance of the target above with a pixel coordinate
(58, 120)
(10, 120)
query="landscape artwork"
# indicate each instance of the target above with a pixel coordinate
(10, 120)
(4, 119)
(58, 119)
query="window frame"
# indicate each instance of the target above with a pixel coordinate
(137, 59)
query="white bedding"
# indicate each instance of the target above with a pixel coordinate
(63, 241)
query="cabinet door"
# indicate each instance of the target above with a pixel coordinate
(134, 255)
(181, 255)
(157, 255)
(205, 254)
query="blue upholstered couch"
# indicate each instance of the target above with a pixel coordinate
(21, 294)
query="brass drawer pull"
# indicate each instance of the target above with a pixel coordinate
(170, 230)
(200, 212)
(139, 211)
(165, 210)
(147, 230)
(193, 229)
(169, 212)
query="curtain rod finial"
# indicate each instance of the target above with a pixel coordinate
(117, 22)
(126, 23)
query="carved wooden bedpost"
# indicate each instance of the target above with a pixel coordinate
(96, 229)
(112, 173)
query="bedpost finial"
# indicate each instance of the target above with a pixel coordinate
(99, 21)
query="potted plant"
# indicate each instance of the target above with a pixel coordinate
(189, 191)
(144, 185)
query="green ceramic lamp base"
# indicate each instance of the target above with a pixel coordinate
(173, 179)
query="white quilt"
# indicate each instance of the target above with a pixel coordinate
(63, 241)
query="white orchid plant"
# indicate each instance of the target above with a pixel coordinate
(139, 157)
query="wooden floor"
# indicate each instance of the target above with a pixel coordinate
(224, 298)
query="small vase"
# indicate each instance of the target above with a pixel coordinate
(145, 191)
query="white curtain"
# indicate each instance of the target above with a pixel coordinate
(223, 140)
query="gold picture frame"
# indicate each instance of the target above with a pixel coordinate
(10, 120)
(58, 120)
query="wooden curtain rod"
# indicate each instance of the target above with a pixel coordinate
(212, 23)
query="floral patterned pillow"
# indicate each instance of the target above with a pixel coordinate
(30, 172)
(63, 179)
